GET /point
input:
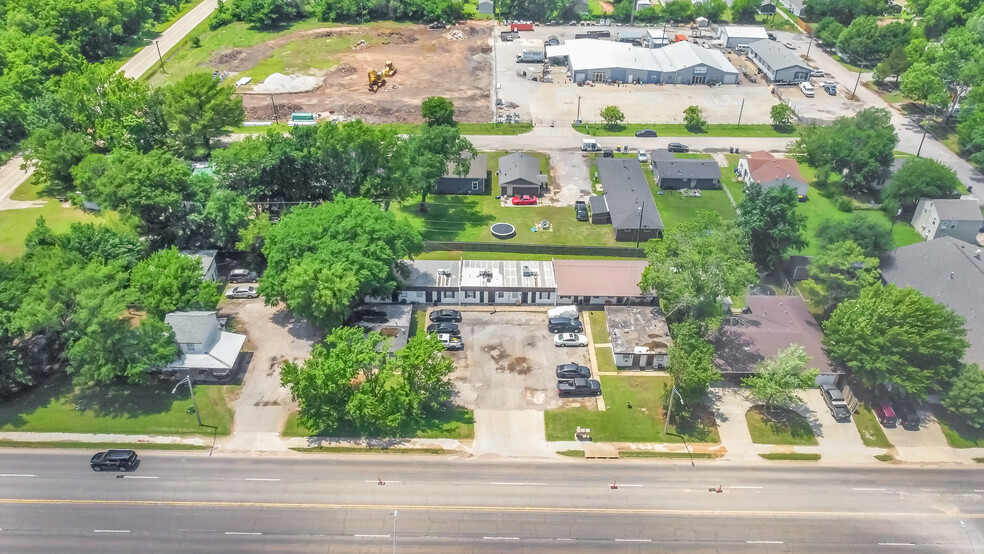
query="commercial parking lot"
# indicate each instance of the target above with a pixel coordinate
(509, 362)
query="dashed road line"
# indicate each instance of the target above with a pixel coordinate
(896, 544)
(633, 540)
(241, 533)
(372, 536)
(501, 538)
(260, 479)
(764, 542)
(110, 530)
(17, 475)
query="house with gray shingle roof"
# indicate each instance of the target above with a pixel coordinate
(519, 174)
(674, 174)
(206, 350)
(631, 208)
(959, 218)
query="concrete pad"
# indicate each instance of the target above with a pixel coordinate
(600, 450)
(729, 405)
(840, 442)
(514, 433)
(929, 433)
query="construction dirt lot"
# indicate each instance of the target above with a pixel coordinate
(455, 63)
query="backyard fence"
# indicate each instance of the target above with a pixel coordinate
(552, 249)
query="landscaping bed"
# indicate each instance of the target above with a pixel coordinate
(794, 431)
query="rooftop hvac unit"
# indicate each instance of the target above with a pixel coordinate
(443, 272)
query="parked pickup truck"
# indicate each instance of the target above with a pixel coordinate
(578, 387)
(581, 210)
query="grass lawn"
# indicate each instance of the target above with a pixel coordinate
(792, 456)
(888, 93)
(605, 359)
(58, 407)
(660, 454)
(18, 223)
(368, 450)
(680, 130)
(959, 435)
(869, 428)
(675, 208)
(454, 423)
(641, 423)
(776, 23)
(599, 326)
(822, 206)
(794, 431)
(102, 445)
(851, 68)
(692, 156)
(462, 255)
(468, 218)
(418, 321)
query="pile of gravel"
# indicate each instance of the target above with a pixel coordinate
(278, 82)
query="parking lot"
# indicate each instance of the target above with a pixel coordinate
(509, 362)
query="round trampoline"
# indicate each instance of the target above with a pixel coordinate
(503, 230)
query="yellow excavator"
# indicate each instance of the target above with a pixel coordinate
(389, 69)
(376, 80)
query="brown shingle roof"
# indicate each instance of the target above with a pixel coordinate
(763, 170)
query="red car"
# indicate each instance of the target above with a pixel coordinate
(524, 200)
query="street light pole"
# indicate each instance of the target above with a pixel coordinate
(669, 409)
(191, 391)
(579, 110)
(159, 57)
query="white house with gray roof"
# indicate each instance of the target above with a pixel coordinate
(959, 218)
(603, 61)
(210, 270)
(519, 174)
(778, 62)
(206, 350)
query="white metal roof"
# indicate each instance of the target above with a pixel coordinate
(588, 54)
(752, 32)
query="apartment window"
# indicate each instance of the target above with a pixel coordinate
(474, 185)
(190, 347)
(449, 295)
(469, 294)
(500, 294)
(544, 296)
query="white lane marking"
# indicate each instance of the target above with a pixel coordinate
(384, 480)
(501, 538)
(978, 490)
(764, 542)
(866, 489)
(373, 536)
(620, 485)
(736, 487)
(139, 477)
(17, 475)
(260, 479)
(896, 544)
(519, 484)
(557, 539)
(633, 540)
(110, 531)
(241, 533)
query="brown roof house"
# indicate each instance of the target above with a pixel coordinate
(771, 172)
(600, 282)
(639, 336)
(773, 323)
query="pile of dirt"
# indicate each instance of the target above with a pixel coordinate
(264, 112)
(361, 45)
(454, 35)
(280, 83)
(397, 38)
(239, 59)
(343, 70)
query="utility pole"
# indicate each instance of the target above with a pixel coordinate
(275, 118)
(159, 57)
(854, 94)
(642, 209)
(669, 409)
(741, 111)
(922, 140)
(579, 110)
(191, 391)
(812, 38)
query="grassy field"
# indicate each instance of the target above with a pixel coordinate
(368, 450)
(406, 128)
(672, 455)
(959, 435)
(468, 218)
(822, 206)
(102, 445)
(418, 321)
(456, 423)
(792, 456)
(675, 208)
(460, 255)
(680, 130)
(599, 326)
(58, 407)
(869, 428)
(794, 431)
(18, 223)
(641, 423)
(605, 359)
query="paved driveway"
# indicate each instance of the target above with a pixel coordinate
(839, 441)
(569, 179)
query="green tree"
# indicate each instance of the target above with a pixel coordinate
(691, 365)
(921, 83)
(942, 15)
(713, 10)
(169, 281)
(425, 156)
(612, 115)
(693, 119)
(773, 225)
(777, 380)
(856, 147)
(226, 214)
(965, 399)
(198, 110)
(424, 374)
(896, 337)
(862, 39)
(896, 63)
(919, 178)
(266, 13)
(323, 259)
(829, 31)
(437, 110)
(744, 11)
(840, 272)
(873, 235)
(679, 10)
(695, 264)
(959, 61)
(782, 116)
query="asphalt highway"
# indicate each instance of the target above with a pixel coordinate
(180, 502)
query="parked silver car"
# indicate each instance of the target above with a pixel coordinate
(242, 292)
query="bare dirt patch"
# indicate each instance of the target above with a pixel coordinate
(428, 64)
(607, 7)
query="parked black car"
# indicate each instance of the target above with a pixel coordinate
(677, 147)
(908, 416)
(564, 325)
(446, 315)
(578, 387)
(771, 36)
(573, 371)
(444, 328)
(646, 133)
(581, 210)
(242, 276)
(835, 401)
(608, 153)
(120, 460)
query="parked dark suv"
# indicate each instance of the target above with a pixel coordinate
(120, 460)
(908, 416)
(564, 325)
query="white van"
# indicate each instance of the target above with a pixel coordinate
(590, 145)
(741, 49)
(807, 89)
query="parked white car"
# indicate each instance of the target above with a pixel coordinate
(242, 292)
(570, 339)
(643, 157)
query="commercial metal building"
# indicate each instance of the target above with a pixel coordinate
(733, 35)
(778, 62)
(683, 63)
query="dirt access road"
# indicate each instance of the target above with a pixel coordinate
(428, 62)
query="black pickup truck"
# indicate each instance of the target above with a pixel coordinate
(581, 210)
(578, 387)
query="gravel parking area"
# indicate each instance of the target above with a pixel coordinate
(509, 361)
